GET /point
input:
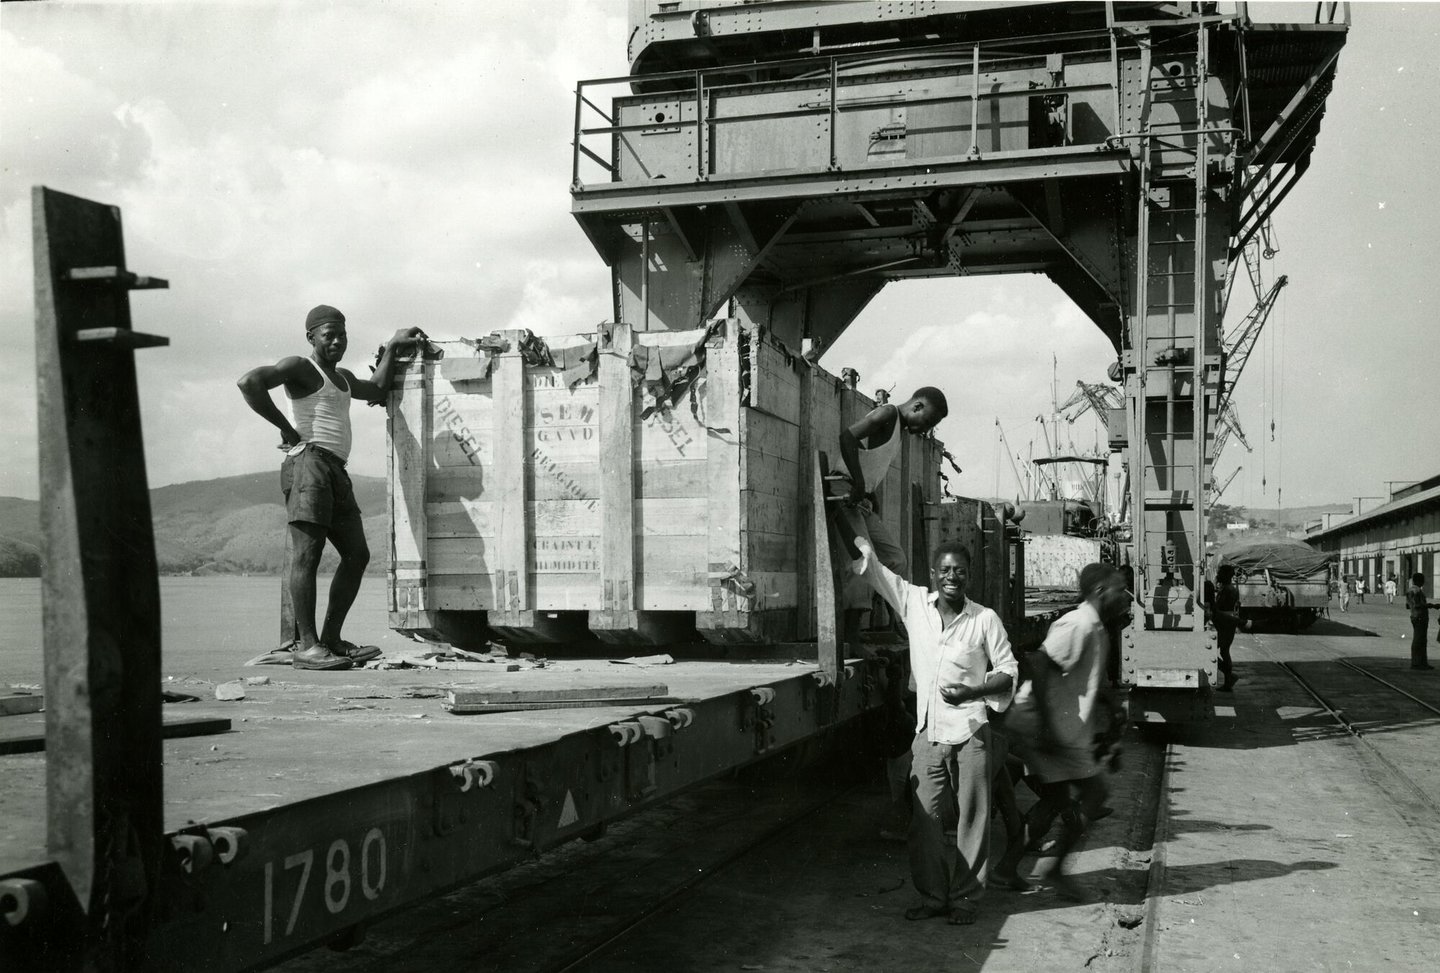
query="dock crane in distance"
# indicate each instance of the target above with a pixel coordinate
(1236, 349)
(1022, 483)
(1238, 346)
(1219, 491)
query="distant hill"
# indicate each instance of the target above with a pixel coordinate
(230, 525)
(235, 524)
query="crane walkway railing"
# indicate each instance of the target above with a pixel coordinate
(700, 103)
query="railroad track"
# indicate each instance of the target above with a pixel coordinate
(1385, 682)
(650, 910)
(1146, 954)
(1337, 713)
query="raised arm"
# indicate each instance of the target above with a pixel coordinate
(377, 386)
(893, 588)
(851, 438)
(257, 384)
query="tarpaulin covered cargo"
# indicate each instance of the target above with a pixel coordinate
(1286, 561)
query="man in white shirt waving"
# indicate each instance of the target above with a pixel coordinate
(962, 663)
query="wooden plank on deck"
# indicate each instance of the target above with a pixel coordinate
(29, 736)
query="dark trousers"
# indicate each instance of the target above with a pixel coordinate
(1223, 638)
(1417, 646)
(1076, 802)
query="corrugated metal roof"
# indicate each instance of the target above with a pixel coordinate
(1395, 506)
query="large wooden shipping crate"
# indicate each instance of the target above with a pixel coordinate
(643, 479)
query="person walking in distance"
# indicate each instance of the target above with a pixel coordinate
(1225, 616)
(1360, 589)
(963, 668)
(1390, 590)
(319, 500)
(1419, 607)
(1072, 706)
(1345, 594)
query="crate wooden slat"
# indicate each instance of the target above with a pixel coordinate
(529, 506)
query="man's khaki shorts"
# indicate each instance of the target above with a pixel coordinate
(317, 489)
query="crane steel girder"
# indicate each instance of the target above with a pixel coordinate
(1241, 342)
(1120, 161)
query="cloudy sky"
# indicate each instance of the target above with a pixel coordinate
(409, 163)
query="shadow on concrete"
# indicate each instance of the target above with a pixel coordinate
(1335, 627)
(1180, 823)
(1185, 879)
(1270, 709)
(1246, 719)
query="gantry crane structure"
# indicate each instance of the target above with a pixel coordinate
(781, 162)
(1238, 343)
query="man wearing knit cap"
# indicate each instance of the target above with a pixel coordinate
(319, 500)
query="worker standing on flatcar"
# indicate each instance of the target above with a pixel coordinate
(961, 660)
(319, 500)
(1419, 607)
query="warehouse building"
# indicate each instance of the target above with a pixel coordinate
(1397, 538)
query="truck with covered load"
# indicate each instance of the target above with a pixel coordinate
(1284, 584)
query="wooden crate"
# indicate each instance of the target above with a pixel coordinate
(526, 497)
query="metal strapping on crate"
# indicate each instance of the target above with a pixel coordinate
(408, 570)
(614, 588)
(507, 590)
(730, 576)
(512, 585)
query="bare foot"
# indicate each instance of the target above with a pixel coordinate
(962, 913)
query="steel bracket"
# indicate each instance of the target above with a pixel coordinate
(758, 717)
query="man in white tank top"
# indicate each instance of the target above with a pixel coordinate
(319, 500)
(868, 448)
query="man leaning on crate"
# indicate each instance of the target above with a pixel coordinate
(319, 501)
(963, 667)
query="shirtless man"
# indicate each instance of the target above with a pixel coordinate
(868, 448)
(319, 500)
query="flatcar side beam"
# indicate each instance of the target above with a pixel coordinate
(105, 827)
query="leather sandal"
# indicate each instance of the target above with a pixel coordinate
(318, 657)
(357, 654)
